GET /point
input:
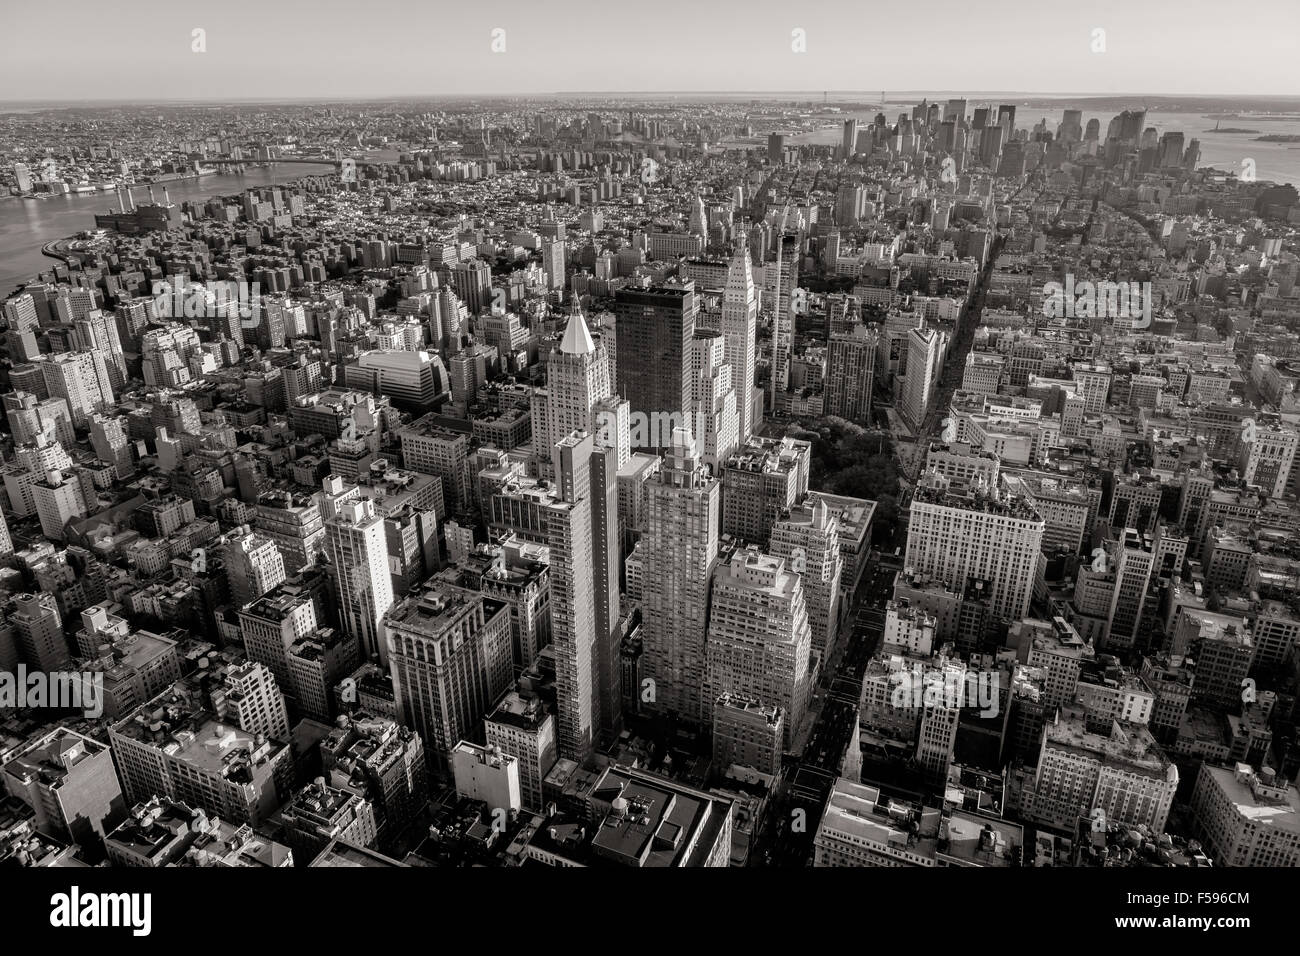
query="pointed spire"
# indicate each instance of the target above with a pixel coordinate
(577, 339)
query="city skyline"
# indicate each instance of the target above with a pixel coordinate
(639, 480)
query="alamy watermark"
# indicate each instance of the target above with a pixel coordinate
(648, 429)
(179, 298)
(60, 690)
(1112, 300)
(922, 688)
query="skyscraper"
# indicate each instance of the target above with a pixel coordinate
(808, 540)
(553, 262)
(681, 545)
(775, 149)
(81, 378)
(561, 515)
(449, 652)
(740, 330)
(850, 144)
(699, 220)
(981, 533)
(851, 373)
(97, 332)
(655, 329)
(578, 375)
(714, 417)
(573, 619)
(253, 564)
(40, 632)
(358, 554)
(759, 639)
(787, 278)
(924, 355)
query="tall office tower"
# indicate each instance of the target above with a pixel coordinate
(681, 545)
(1092, 131)
(1071, 128)
(97, 332)
(655, 329)
(553, 262)
(787, 264)
(606, 565)
(831, 250)
(108, 436)
(613, 421)
(850, 143)
(764, 478)
(851, 373)
(358, 554)
(1007, 119)
(472, 282)
(1171, 150)
(253, 565)
(699, 220)
(980, 119)
(41, 644)
(578, 376)
(1135, 128)
(172, 746)
(759, 640)
(578, 647)
(1192, 158)
(936, 729)
(449, 653)
(6, 542)
(80, 378)
(979, 532)
(924, 353)
(433, 449)
(740, 329)
(571, 517)
(58, 499)
(252, 701)
(775, 149)
(808, 539)
(714, 416)
(849, 202)
(69, 781)
(945, 136)
(991, 140)
(1133, 566)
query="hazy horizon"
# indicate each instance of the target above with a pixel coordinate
(388, 49)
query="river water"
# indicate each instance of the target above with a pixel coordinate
(27, 224)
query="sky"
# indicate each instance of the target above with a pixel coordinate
(81, 50)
